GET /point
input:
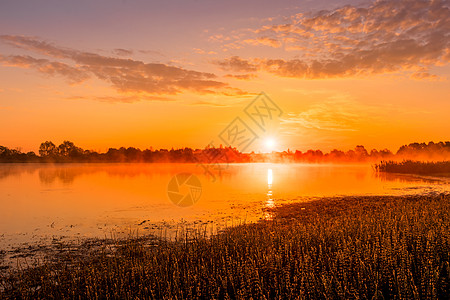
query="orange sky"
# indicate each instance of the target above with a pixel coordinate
(113, 73)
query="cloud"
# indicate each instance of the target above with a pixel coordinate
(201, 51)
(73, 75)
(403, 37)
(267, 41)
(423, 74)
(327, 116)
(335, 113)
(208, 103)
(125, 75)
(241, 76)
(151, 52)
(122, 52)
(219, 38)
(121, 99)
(236, 64)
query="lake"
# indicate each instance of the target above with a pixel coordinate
(46, 202)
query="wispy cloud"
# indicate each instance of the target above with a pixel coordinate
(121, 99)
(45, 66)
(201, 51)
(336, 113)
(267, 41)
(241, 76)
(122, 52)
(404, 37)
(151, 52)
(208, 103)
(326, 116)
(236, 64)
(125, 75)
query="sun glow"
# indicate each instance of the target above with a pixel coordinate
(269, 144)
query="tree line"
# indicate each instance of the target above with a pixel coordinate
(68, 152)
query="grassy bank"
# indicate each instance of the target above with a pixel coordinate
(415, 167)
(336, 248)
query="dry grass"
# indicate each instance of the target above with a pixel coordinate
(336, 248)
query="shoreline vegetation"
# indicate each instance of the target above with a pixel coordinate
(369, 247)
(68, 152)
(415, 167)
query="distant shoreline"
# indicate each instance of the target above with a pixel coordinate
(68, 152)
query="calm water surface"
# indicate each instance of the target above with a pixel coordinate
(42, 202)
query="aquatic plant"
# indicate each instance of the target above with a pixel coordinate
(335, 248)
(414, 167)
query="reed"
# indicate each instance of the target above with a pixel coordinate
(414, 167)
(333, 248)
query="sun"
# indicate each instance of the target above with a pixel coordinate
(269, 144)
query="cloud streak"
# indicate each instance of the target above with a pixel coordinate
(124, 74)
(120, 99)
(328, 116)
(45, 66)
(122, 52)
(236, 64)
(241, 76)
(404, 37)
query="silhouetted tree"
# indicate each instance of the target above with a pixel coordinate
(132, 154)
(47, 149)
(336, 155)
(66, 148)
(67, 152)
(361, 153)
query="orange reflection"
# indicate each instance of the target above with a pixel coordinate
(269, 201)
(94, 199)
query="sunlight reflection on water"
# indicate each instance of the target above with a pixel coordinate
(88, 200)
(270, 202)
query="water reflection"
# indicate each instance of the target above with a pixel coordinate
(269, 201)
(309, 174)
(90, 199)
(407, 178)
(269, 177)
(68, 173)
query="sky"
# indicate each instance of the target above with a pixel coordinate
(166, 74)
